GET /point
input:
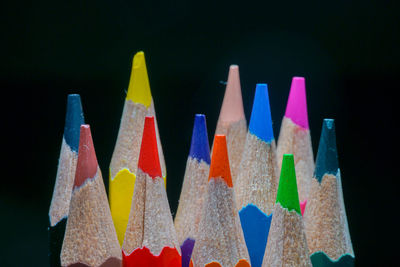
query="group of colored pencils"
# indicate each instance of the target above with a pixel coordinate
(250, 202)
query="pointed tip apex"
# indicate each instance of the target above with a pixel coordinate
(232, 105)
(287, 194)
(327, 158)
(261, 121)
(219, 161)
(149, 161)
(87, 161)
(139, 86)
(73, 121)
(296, 108)
(200, 148)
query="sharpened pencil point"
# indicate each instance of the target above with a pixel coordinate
(287, 194)
(139, 86)
(149, 162)
(296, 108)
(260, 121)
(200, 148)
(327, 159)
(87, 161)
(73, 121)
(219, 161)
(232, 105)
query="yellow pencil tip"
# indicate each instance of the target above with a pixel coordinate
(139, 87)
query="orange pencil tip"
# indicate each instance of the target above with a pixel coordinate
(219, 161)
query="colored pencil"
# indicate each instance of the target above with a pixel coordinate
(59, 206)
(220, 238)
(138, 105)
(257, 182)
(287, 244)
(194, 187)
(295, 138)
(325, 218)
(232, 121)
(150, 236)
(90, 238)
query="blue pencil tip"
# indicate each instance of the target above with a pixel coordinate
(260, 121)
(73, 121)
(200, 148)
(327, 159)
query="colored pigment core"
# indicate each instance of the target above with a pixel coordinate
(287, 194)
(241, 263)
(260, 121)
(327, 158)
(139, 86)
(320, 259)
(232, 105)
(87, 162)
(149, 161)
(73, 121)
(303, 206)
(219, 161)
(200, 148)
(187, 249)
(296, 108)
(143, 257)
(121, 192)
(255, 225)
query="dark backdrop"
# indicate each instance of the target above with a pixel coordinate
(347, 50)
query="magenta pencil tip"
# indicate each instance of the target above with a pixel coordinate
(296, 108)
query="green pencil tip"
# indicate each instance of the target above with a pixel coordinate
(287, 194)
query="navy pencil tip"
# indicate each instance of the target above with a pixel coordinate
(199, 148)
(327, 159)
(73, 121)
(261, 121)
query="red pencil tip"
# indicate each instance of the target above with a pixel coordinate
(149, 161)
(219, 161)
(87, 162)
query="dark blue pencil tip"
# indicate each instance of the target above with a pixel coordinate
(260, 121)
(73, 121)
(200, 148)
(327, 159)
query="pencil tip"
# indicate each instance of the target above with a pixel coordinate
(86, 166)
(287, 194)
(149, 162)
(260, 121)
(232, 105)
(219, 161)
(327, 159)
(139, 86)
(200, 148)
(73, 121)
(296, 108)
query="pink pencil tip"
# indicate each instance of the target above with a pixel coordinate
(232, 105)
(296, 108)
(86, 166)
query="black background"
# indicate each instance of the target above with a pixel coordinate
(347, 50)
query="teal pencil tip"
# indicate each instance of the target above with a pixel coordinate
(327, 158)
